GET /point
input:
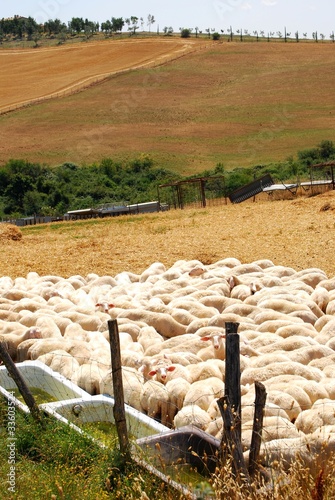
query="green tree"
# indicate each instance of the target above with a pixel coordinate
(168, 30)
(117, 24)
(132, 24)
(326, 150)
(77, 25)
(106, 27)
(150, 21)
(32, 202)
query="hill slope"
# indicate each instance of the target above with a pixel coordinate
(240, 104)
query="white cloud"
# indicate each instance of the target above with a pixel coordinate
(269, 3)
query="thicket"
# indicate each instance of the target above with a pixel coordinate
(32, 189)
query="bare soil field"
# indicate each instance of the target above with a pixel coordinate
(299, 233)
(238, 103)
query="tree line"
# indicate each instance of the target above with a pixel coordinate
(28, 188)
(19, 27)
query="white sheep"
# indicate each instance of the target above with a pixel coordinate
(62, 362)
(148, 336)
(217, 349)
(202, 392)
(322, 413)
(251, 375)
(89, 376)
(205, 369)
(13, 340)
(163, 323)
(285, 318)
(166, 371)
(177, 389)
(274, 427)
(192, 414)
(132, 382)
(154, 401)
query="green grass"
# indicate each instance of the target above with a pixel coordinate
(54, 461)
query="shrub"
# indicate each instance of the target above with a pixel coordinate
(185, 33)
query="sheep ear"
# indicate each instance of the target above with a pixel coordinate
(231, 282)
(170, 368)
(152, 373)
(205, 338)
(111, 305)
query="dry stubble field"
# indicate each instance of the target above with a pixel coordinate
(229, 102)
(299, 233)
(238, 103)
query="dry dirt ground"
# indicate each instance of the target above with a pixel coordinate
(299, 233)
(239, 103)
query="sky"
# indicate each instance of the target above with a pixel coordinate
(304, 16)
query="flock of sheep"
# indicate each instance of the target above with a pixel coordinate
(171, 325)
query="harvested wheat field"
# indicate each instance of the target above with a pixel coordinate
(239, 104)
(58, 71)
(299, 233)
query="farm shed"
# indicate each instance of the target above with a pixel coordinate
(85, 213)
(147, 207)
(113, 210)
(30, 221)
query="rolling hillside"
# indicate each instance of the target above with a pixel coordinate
(240, 103)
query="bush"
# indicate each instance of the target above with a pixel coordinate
(185, 33)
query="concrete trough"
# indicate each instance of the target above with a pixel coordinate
(100, 409)
(188, 445)
(39, 376)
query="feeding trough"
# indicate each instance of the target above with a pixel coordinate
(100, 409)
(40, 379)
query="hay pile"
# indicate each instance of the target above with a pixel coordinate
(10, 232)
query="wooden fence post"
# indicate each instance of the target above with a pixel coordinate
(230, 406)
(256, 437)
(20, 382)
(231, 442)
(233, 373)
(119, 409)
